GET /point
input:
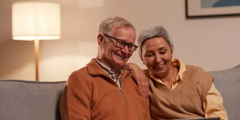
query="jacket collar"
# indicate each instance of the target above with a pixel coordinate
(95, 69)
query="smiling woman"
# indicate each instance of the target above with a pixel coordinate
(177, 90)
(156, 55)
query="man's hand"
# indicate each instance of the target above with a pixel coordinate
(139, 76)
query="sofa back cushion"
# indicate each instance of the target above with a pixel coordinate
(228, 84)
(29, 100)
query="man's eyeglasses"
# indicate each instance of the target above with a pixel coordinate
(121, 44)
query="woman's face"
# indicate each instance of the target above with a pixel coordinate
(156, 55)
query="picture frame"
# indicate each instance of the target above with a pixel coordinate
(211, 8)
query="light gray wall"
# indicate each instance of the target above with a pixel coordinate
(211, 43)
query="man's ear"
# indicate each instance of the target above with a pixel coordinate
(100, 39)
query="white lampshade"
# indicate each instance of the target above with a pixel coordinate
(35, 21)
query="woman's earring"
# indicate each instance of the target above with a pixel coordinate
(143, 63)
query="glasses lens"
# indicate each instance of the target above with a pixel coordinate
(121, 43)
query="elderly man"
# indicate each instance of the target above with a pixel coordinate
(103, 89)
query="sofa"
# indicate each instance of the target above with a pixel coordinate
(30, 100)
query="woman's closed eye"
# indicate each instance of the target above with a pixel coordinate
(162, 52)
(149, 54)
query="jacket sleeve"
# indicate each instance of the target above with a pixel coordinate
(75, 100)
(148, 115)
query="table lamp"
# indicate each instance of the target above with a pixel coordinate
(34, 21)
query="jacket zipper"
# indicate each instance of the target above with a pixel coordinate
(120, 88)
(122, 94)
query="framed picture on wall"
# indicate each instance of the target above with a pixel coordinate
(212, 8)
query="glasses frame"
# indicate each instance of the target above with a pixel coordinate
(125, 43)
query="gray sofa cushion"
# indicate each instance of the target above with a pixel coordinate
(29, 100)
(228, 84)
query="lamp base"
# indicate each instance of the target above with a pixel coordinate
(36, 53)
